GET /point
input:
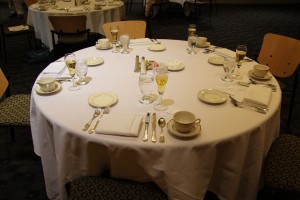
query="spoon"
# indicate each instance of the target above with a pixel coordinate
(162, 124)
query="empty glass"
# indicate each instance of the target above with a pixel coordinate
(124, 39)
(146, 86)
(229, 67)
(192, 40)
(81, 70)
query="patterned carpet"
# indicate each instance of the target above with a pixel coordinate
(21, 172)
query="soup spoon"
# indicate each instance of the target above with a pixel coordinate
(162, 124)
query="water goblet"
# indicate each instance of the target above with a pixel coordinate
(81, 70)
(241, 51)
(70, 60)
(228, 66)
(146, 86)
(124, 39)
(192, 40)
(161, 77)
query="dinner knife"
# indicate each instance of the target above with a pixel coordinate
(147, 120)
(153, 138)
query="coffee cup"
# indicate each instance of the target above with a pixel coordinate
(260, 70)
(185, 121)
(201, 41)
(103, 43)
(97, 6)
(47, 84)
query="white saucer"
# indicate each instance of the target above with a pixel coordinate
(157, 47)
(216, 60)
(212, 96)
(104, 48)
(207, 44)
(102, 99)
(173, 65)
(266, 77)
(41, 92)
(93, 61)
(195, 132)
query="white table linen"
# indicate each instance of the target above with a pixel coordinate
(226, 158)
(95, 18)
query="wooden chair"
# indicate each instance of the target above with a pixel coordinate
(282, 55)
(93, 187)
(71, 33)
(15, 109)
(135, 29)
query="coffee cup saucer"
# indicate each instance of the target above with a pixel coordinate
(104, 48)
(41, 92)
(266, 77)
(193, 133)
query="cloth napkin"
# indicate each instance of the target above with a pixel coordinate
(123, 125)
(225, 53)
(55, 68)
(257, 95)
(18, 28)
(140, 41)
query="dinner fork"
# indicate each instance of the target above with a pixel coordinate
(96, 114)
(106, 111)
(238, 104)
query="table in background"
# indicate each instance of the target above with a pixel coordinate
(95, 18)
(226, 158)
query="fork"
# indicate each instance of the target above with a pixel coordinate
(238, 104)
(87, 125)
(106, 111)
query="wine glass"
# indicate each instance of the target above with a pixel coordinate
(124, 39)
(192, 29)
(114, 30)
(70, 60)
(161, 77)
(228, 66)
(192, 40)
(145, 84)
(241, 51)
(81, 70)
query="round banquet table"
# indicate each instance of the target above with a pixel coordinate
(226, 158)
(95, 18)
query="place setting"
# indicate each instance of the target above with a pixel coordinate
(47, 86)
(103, 44)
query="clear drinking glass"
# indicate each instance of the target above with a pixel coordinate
(192, 29)
(146, 86)
(241, 51)
(81, 70)
(161, 77)
(124, 39)
(114, 30)
(192, 40)
(229, 67)
(70, 60)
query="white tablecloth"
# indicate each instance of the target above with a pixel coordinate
(226, 158)
(95, 18)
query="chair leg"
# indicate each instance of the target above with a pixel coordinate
(292, 100)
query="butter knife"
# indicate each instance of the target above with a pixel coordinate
(147, 120)
(153, 138)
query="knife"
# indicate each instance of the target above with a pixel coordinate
(147, 120)
(153, 138)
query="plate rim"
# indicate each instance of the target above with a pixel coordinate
(214, 62)
(250, 73)
(100, 48)
(115, 99)
(100, 63)
(175, 133)
(164, 47)
(215, 91)
(39, 91)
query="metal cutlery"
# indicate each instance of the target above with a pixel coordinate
(106, 111)
(263, 84)
(250, 107)
(147, 120)
(157, 42)
(273, 87)
(87, 125)
(162, 124)
(153, 138)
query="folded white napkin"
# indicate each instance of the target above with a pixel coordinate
(140, 41)
(257, 95)
(55, 68)
(124, 125)
(75, 9)
(225, 52)
(18, 28)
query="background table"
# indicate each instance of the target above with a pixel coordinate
(226, 158)
(95, 18)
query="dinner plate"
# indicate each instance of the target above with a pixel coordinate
(195, 132)
(173, 65)
(266, 77)
(93, 61)
(204, 45)
(212, 96)
(104, 48)
(216, 60)
(157, 47)
(41, 92)
(102, 99)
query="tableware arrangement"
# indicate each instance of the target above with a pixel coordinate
(153, 119)
(47, 85)
(212, 96)
(70, 61)
(161, 77)
(104, 110)
(81, 70)
(260, 72)
(147, 121)
(241, 51)
(192, 40)
(272, 86)
(239, 104)
(229, 67)
(124, 40)
(146, 86)
(103, 44)
(161, 124)
(95, 115)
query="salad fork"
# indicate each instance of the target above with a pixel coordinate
(87, 125)
(106, 111)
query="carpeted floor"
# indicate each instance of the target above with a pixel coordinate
(21, 172)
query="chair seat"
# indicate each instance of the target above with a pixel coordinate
(14, 110)
(282, 168)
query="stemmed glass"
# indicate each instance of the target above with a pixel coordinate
(114, 30)
(70, 60)
(81, 70)
(192, 29)
(161, 77)
(241, 51)
(146, 86)
(124, 39)
(192, 40)
(228, 66)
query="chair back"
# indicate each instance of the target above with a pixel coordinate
(30, 2)
(3, 83)
(281, 54)
(135, 29)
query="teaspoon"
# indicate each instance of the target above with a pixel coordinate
(162, 124)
